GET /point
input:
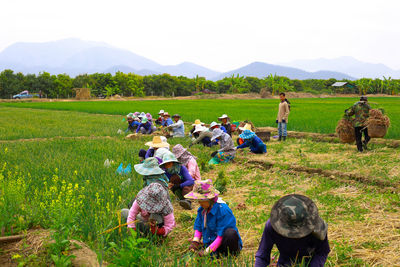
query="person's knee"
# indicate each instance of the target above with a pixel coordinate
(231, 234)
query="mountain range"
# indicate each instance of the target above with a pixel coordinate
(75, 56)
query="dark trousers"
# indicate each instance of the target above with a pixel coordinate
(230, 243)
(206, 141)
(176, 180)
(359, 131)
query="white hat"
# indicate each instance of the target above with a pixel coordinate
(224, 116)
(213, 124)
(200, 128)
(161, 112)
(216, 133)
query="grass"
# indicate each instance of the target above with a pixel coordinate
(54, 182)
(310, 115)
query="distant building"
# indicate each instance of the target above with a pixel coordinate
(205, 91)
(344, 85)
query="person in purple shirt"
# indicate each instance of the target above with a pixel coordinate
(145, 127)
(180, 181)
(298, 232)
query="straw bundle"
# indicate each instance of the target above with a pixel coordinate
(82, 93)
(377, 123)
(345, 130)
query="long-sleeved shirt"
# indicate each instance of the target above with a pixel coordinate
(132, 125)
(291, 249)
(255, 144)
(169, 220)
(228, 128)
(178, 129)
(219, 218)
(283, 112)
(227, 145)
(193, 169)
(361, 112)
(184, 174)
(202, 135)
(166, 122)
(146, 126)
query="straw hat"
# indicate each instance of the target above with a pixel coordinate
(202, 190)
(199, 128)
(213, 124)
(247, 134)
(168, 157)
(247, 126)
(197, 122)
(157, 142)
(148, 167)
(154, 199)
(224, 116)
(296, 216)
(161, 112)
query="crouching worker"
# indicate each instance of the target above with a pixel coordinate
(227, 151)
(253, 141)
(151, 172)
(298, 232)
(158, 142)
(180, 181)
(188, 160)
(215, 222)
(145, 127)
(151, 212)
(133, 122)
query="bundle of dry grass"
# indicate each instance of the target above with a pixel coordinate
(82, 93)
(345, 130)
(243, 123)
(377, 123)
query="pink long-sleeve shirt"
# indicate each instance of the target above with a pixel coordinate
(193, 169)
(169, 220)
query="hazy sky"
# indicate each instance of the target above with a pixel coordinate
(219, 34)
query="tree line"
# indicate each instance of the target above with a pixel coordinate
(130, 84)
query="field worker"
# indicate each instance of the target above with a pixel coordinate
(204, 136)
(187, 160)
(145, 127)
(149, 118)
(196, 123)
(137, 113)
(215, 222)
(180, 181)
(215, 125)
(282, 118)
(160, 118)
(178, 128)
(151, 172)
(153, 210)
(361, 111)
(227, 151)
(158, 142)
(133, 122)
(239, 140)
(167, 120)
(226, 124)
(141, 116)
(298, 232)
(251, 140)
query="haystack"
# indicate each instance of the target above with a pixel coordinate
(345, 130)
(82, 93)
(243, 123)
(377, 123)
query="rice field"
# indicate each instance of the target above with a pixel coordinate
(52, 176)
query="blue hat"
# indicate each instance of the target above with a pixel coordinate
(149, 167)
(247, 134)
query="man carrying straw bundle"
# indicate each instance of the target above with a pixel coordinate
(361, 112)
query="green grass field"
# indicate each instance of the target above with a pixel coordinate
(57, 180)
(318, 115)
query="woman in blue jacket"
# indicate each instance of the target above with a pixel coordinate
(253, 141)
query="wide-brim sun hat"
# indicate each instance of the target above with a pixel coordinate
(247, 134)
(176, 116)
(161, 152)
(148, 167)
(178, 150)
(157, 142)
(142, 115)
(202, 190)
(216, 133)
(144, 120)
(247, 126)
(148, 116)
(197, 122)
(130, 115)
(213, 124)
(166, 114)
(168, 157)
(296, 216)
(224, 116)
(199, 128)
(154, 199)
(363, 98)
(161, 112)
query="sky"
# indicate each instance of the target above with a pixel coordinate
(218, 34)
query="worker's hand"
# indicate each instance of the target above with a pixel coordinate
(194, 246)
(283, 121)
(276, 121)
(152, 223)
(170, 185)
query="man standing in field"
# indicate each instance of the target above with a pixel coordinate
(361, 111)
(282, 118)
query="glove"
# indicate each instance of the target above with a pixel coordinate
(157, 231)
(214, 153)
(276, 121)
(194, 246)
(283, 121)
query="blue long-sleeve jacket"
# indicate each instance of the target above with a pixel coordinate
(167, 122)
(186, 178)
(146, 126)
(255, 144)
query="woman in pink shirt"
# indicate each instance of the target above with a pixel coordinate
(187, 160)
(152, 211)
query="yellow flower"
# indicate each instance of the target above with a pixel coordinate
(75, 172)
(6, 150)
(16, 256)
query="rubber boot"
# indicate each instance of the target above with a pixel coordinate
(284, 138)
(185, 204)
(280, 138)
